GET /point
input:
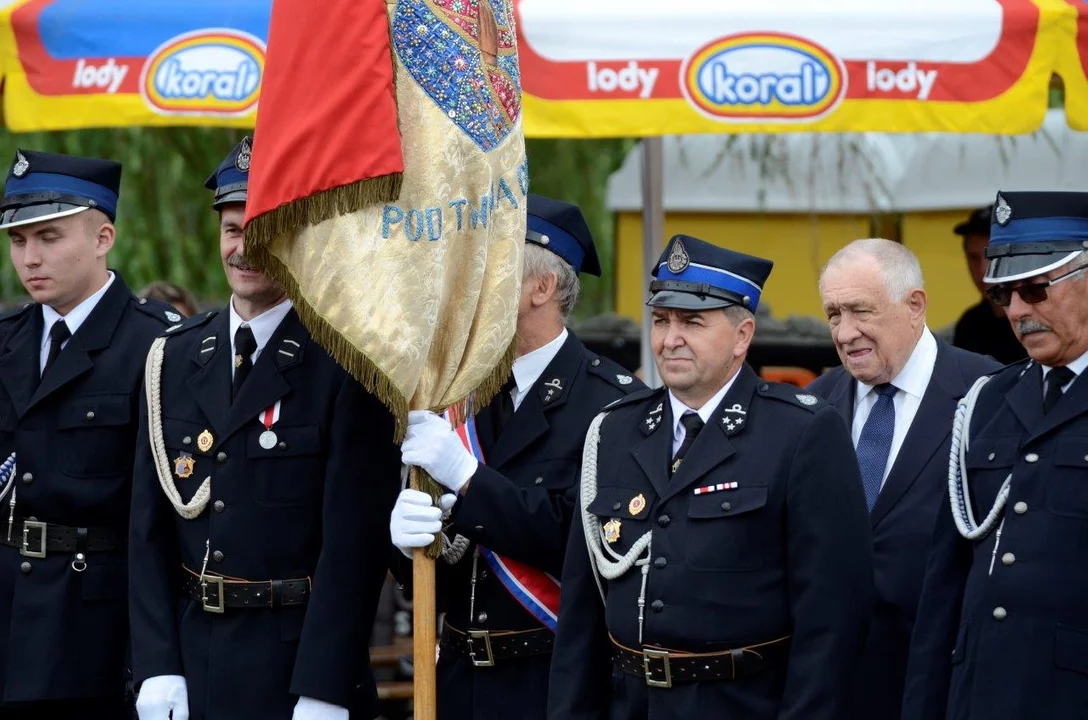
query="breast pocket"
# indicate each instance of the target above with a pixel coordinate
(95, 434)
(1067, 485)
(726, 530)
(624, 513)
(989, 462)
(290, 471)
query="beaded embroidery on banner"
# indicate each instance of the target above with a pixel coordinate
(479, 90)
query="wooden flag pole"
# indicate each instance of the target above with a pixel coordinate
(424, 622)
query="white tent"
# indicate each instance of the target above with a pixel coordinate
(854, 172)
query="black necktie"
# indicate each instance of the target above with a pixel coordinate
(504, 405)
(693, 425)
(244, 345)
(1056, 379)
(58, 334)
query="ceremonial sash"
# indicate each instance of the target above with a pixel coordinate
(535, 590)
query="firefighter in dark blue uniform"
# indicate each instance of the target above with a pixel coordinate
(265, 477)
(1002, 631)
(498, 579)
(70, 370)
(728, 569)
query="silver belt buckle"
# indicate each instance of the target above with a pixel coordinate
(648, 656)
(219, 607)
(486, 637)
(41, 527)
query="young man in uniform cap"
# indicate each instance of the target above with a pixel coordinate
(70, 369)
(512, 504)
(265, 477)
(728, 571)
(1002, 627)
(983, 328)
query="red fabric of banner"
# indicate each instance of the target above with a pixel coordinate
(327, 114)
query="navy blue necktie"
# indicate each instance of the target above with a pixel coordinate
(875, 442)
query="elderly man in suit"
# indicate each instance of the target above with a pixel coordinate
(897, 390)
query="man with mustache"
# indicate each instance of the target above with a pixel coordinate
(264, 478)
(70, 369)
(897, 390)
(1001, 631)
(719, 565)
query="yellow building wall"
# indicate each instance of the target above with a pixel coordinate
(799, 245)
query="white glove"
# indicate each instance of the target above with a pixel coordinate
(310, 709)
(415, 520)
(163, 697)
(432, 444)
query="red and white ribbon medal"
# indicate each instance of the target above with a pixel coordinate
(268, 418)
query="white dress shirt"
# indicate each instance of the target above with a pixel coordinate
(708, 408)
(73, 320)
(529, 367)
(911, 384)
(1077, 366)
(263, 326)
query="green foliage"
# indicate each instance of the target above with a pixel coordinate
(166, 229)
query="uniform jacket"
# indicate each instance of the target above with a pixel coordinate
(315, 505)
(520, 506)
(1011, 642)
(902, 521)
(787, 552)
(63, 633)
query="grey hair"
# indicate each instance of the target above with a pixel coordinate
(736, 314)
(541, 263)
(900, 267)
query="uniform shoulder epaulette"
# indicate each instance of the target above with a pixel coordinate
(791, 394)
(17, 313)
(161, 311)
(190, 322)
(611, 372)
(631, 398)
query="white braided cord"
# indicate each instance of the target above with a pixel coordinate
(958, 491)
(153, 386)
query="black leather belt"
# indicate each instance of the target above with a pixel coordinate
(484, 647)
(663, 668)
(216, 593)
(37, 539)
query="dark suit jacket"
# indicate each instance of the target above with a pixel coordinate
(903, 520)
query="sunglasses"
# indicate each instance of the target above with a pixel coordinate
(1031, 293)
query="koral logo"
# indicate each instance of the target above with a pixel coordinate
(763, 76)
(208, 72)
(628, 78)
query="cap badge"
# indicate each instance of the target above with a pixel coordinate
(245, 154)
(21, 165)
(1002, 211)
(678, 258)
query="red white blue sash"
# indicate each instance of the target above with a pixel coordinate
(535, 590)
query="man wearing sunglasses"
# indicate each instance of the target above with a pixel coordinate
(1002, 631)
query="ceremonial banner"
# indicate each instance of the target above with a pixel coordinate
(387, 193)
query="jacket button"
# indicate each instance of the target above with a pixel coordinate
(28, 478)
(479, 528)
(1020, 508)
(726, 505)
(90, 414)
(999, 613)
(1008, 559)
(595, 362)
(142, 301)
(221, 457)
(664, 520)
(217, 556)
(186, 440)
(616, 506)
(991, 456)
(657, 606)
(538, 481)
(481, 618)
(1031, 457)
(219, 506)
(25, 567)
(660, 563)
(282, 445)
